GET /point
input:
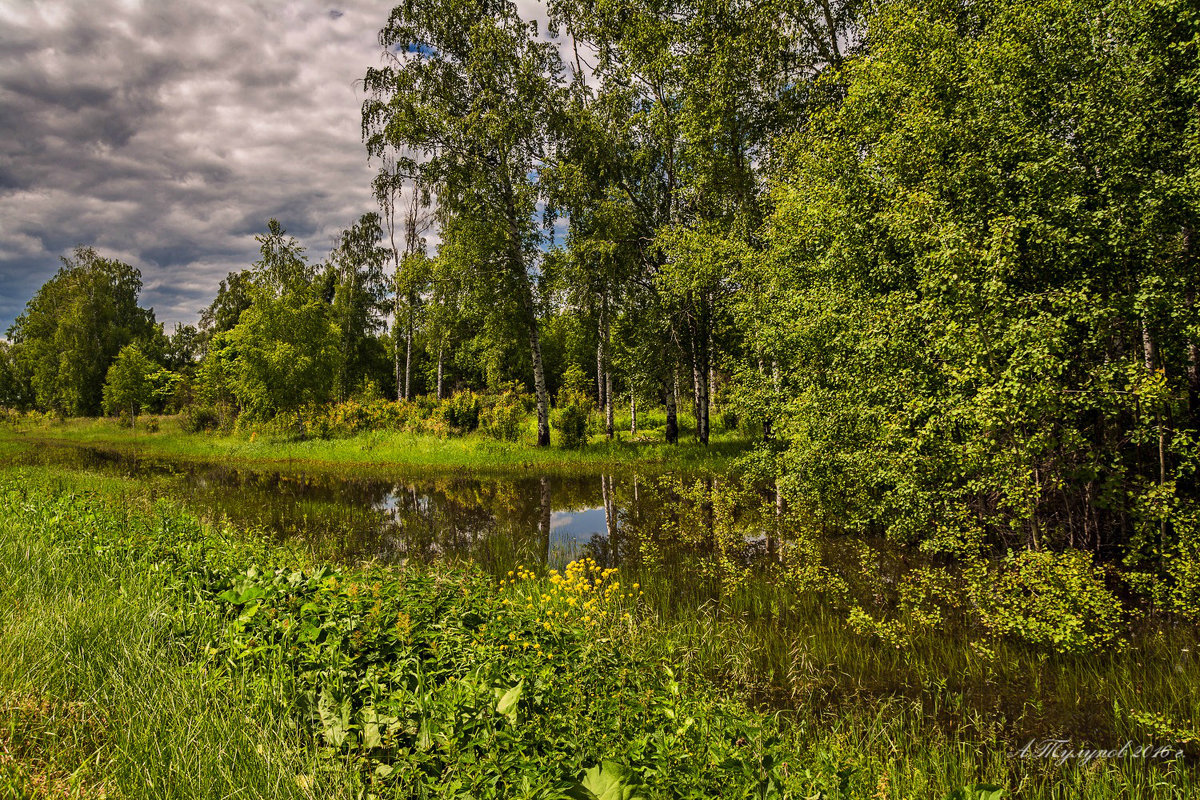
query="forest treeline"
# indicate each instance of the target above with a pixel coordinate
(938, 258)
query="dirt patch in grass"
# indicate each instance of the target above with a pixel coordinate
(51, 748)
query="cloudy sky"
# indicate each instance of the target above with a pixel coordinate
(166, 134)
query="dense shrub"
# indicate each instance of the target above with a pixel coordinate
(461, 412)
(571, 417)
(985, 311)
(285, 425)
(197, 418)
(503, 420)
(1053, 600)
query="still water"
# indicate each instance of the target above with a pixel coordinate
(499, 522)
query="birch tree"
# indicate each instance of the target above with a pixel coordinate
(471, 89)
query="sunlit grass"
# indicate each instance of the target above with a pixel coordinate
(474, 453)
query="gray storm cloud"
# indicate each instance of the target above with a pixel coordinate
(167, 133)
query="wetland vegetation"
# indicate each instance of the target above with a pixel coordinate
(763, 400)
(360, 633)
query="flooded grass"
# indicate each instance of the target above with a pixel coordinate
(718, 602)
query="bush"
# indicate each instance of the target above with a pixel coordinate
(286, 425)
(461, 412)
(570, 419)
(199, 418)
(503, 420)
(1052, 600)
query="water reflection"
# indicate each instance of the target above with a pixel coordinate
(499, 522)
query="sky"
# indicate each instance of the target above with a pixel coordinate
(166, 133)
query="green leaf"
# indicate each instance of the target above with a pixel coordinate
(507, 704)
(980, 791)
(335, 720)
(611, 781)
(370, 729)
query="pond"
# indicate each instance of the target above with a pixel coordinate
(500, 522)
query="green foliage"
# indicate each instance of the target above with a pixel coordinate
(1053, 600)
(164, 388)
(15, 391)
(502, 420)
(571, 422)
(285, 354)
(283, 351)
(461, 412)
(233, 297)
(478, 137)
(979, 791)
(574, 382)
(573, 411)
(977, 278)
(356, 264)
(73, 328)
(130, 385)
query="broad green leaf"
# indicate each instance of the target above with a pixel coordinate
(611, 781)
(507, 704)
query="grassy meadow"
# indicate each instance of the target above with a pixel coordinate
(389, 449)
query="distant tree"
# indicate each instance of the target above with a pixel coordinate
(282, 352)
(183, 348)
(282, 265)
(399, 190)
(285, 352)
(15, 391)
(73, 328)
(356, 265)
(165, 390)
(128, 386)
(233, 297)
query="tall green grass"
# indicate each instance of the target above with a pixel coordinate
(101, 696)
(474, 453)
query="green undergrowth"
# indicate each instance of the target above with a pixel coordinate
(370, 450)
(145, 654)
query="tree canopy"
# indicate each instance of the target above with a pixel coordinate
(73, 328)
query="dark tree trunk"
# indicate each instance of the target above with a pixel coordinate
(672, 432)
